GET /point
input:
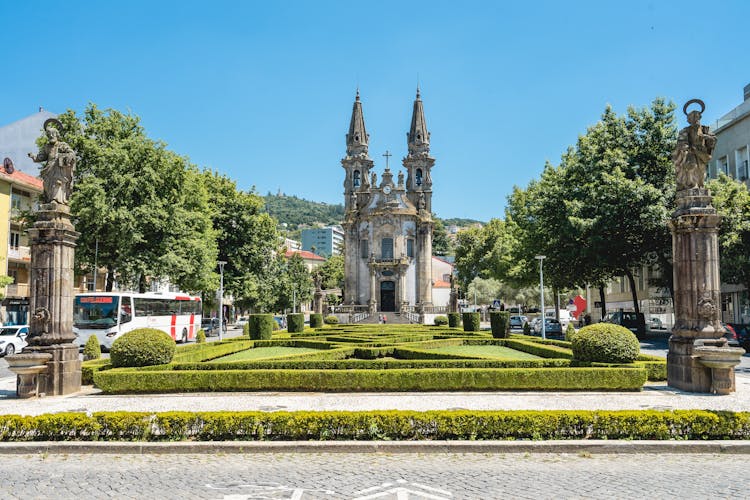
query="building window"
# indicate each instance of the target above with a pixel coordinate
(741, 160)
(15, 202)
(15, 239)
(356, 178)
(419, 177)
(386, 247)
(724, 165)
(364, 252)
(410, 248)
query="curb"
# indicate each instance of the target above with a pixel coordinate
(241, 447)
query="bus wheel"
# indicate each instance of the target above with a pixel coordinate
(184, 336)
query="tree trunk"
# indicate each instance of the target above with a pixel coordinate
(142, 283)
(556, 300)
(110, 279)
(633, 291)
(603, 299)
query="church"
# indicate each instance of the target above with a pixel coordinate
(388, 222)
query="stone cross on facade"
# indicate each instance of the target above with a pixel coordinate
(387, 155)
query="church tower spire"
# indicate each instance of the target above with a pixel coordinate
(357, 139)
(419, 137)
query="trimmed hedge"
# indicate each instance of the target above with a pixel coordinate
(500, 323)
(260, 326)
(468, 379)
(331, 320)
(377, 425)
(441, 320)
(471, 321)
(92, 349)
(605, 343)
(454, 320)
(200, 337)
(316, 320)
(142, 347)
(295, 323)
(365, 364)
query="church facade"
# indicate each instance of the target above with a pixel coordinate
(388, 223)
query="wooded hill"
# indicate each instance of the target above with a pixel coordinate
(297, 212)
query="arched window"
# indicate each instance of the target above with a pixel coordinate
(356, 178)
(419, 177)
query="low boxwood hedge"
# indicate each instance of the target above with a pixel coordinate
(378, 425)
(439, 379)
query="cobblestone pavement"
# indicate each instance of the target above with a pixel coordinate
(369, 476)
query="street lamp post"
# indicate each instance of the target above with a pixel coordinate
(541, 290)
(221, 299)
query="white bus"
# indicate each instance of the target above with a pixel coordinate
(108, 315)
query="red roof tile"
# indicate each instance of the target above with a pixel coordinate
(304, 254)
(441, 284)
(18, 177)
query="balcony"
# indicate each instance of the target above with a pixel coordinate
(18, 290)
(22, 254)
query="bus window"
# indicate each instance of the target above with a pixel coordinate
(95, 311)
(126, 311)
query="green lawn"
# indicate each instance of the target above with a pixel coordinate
(489, 351)
(264, 353)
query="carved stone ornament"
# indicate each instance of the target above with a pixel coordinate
(706, 307)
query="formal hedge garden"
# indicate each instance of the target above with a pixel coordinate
(376, 358)
(377, 425)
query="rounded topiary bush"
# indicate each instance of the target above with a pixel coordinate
(200, 337)
(500, 323)
(441, 320)
(454, 320)
(142, 347)
(605, 343)
(471, 322)
(316, 320)
(331, 320)
(92, 349)
(295, 323)
(570, 332)
(526, 328)
(260, 326)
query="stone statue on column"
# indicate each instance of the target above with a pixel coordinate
(53, 240)
(699, 358)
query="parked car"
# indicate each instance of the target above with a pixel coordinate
(210, 326)
(241, 322)
(518, 321)
(533, 324)
(565, 316)
(655, 324)
(635, 322)
(552, 328)
(13, 339)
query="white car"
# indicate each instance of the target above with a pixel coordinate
(13, 339)
(241, 322)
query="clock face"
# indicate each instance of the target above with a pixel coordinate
(387, 190)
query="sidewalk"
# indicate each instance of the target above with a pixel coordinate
(655, 396)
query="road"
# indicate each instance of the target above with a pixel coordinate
(369, 476)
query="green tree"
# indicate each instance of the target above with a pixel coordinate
(295, 284)
(441, 244)
(732, 201)
(484, 252)
(332, 272)
(142, 205)
(247, 240)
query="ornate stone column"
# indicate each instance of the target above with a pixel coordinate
(697, 337)
(53, 241)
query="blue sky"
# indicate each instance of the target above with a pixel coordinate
(262, 91)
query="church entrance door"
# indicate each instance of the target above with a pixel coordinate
(388, 296)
